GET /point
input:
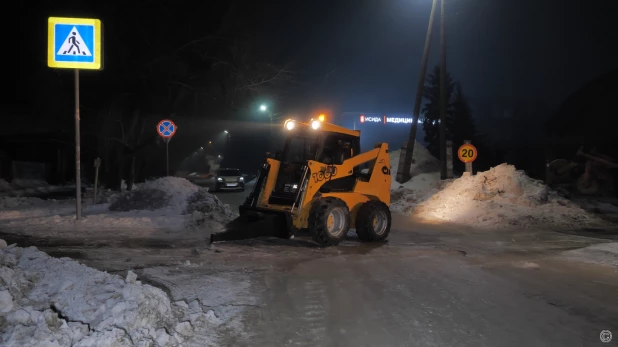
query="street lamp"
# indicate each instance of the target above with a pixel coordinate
(228, 136)
(263, 108)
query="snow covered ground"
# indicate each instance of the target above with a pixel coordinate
(602, 253)
(46, 301)
(181, 204)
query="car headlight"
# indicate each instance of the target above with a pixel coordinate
(219, 179)
(290, 124)
(240, 179)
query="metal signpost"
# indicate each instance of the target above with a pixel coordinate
(166, 129)
(75, 43)
(97, 165)
(467, 153)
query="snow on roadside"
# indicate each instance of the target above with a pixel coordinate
(502, 197)
(424, 183)
(404, 197)
(178, 188)
(601, 253)
(46, 301)
(422, 162)
(206, 211)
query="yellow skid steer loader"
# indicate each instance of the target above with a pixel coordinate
(319, 183)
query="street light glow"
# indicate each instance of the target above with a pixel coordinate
(225, 131)
(263, 108)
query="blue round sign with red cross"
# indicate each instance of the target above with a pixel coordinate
(166, 128)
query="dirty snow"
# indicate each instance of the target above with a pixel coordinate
(422, 163)
(602, 253)
(404, 197)
(172, 213)
(500, 197)
(46, 301)
(179, 189)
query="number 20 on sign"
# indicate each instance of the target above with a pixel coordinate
(467, 153)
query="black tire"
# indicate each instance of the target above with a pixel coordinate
(319, 228)
(373, 221)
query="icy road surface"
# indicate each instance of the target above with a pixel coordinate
(429, 285)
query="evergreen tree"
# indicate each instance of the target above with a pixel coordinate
(462, 123)
(431, 109)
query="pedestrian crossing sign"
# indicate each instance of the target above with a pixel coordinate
(74, 43)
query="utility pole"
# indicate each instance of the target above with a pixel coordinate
(405, 158)
(443, 101)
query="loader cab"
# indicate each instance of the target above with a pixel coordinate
(302, 145)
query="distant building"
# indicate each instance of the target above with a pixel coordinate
(392, 128)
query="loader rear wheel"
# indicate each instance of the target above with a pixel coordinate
(329, 221)
(373, 221)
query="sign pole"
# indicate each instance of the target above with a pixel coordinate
(166, 129)
(97, 164)
(449, 159)
(468, 164)
(75, 43)
(78, 180)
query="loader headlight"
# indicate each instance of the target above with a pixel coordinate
(315, 124)
(290, 124)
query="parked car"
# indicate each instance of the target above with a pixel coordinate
(229, 179)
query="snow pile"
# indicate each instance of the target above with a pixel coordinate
(602, 253)
(420, 187)
(502, 196)
(46, 301)
(142, 199)
(204, 207)
(161, 204)
(422, 162)
(179, 189)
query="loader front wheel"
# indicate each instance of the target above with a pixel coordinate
(373, 221)
(329, 221)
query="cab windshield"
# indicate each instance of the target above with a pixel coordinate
(300, 149)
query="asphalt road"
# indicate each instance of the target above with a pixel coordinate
(233, 198)
(429, 285)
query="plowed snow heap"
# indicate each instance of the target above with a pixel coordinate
(177, 195)
(501, 197)
(47, 301)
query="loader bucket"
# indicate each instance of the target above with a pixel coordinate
(256, 222)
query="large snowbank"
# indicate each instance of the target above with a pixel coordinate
(178, 189)
(420, 187)
(170, 212)
(500, 197)
(46, 301)
(422, 163)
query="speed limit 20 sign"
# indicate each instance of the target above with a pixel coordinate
(467, 153)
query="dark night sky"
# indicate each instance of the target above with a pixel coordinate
(365, 54)
(351, 55)
(504, 50)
